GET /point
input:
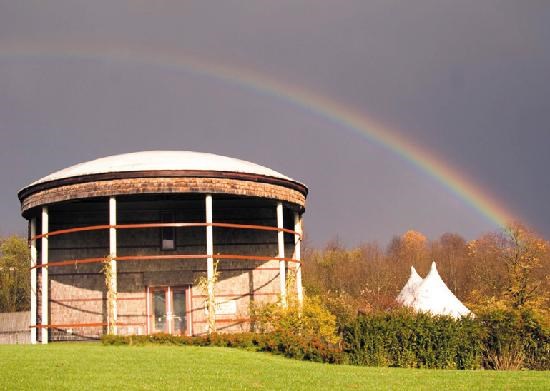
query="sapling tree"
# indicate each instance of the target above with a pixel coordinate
(107, 270)
(203, 283)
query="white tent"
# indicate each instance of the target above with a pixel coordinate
(432, 295)
(408, 293)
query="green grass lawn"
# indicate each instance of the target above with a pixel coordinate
(78, 366)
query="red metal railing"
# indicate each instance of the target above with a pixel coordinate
(165, 225)
(167, 257)
(170, 257)
(81, 325)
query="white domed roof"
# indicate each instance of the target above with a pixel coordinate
(161, 161)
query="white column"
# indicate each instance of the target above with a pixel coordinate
(44, 274)
(33, 280)
(281, 245)
(298, 256)
(113, 254)
(210, 263)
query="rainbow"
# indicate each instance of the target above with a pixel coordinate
(343, 116)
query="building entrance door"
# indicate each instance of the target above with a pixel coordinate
(168, 311)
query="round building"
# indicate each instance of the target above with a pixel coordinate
(160, 241)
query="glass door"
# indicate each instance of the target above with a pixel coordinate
(159, 321)
(168, 312)
(179, 311)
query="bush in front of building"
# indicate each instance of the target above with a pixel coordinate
(240, 340)
(494, 339)
(303, 332)
(299, 347)
(310, 319)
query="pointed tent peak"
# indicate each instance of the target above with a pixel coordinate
(433, 295)
(433, 276)
(407, 294)
(415, 276)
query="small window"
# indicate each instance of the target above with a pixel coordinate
(167, 234)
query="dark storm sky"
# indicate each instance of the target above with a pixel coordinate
(468, 80)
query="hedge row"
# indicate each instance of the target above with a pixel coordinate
(403, 339)
(299, 347)
(493, 340)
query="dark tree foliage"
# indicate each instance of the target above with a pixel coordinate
(14, 275)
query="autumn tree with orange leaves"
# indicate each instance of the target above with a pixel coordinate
(525, 255)
(509, 269)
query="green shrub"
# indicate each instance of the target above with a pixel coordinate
(312, 319)
(290, 345)
(515, 339)
(155, 339)
(300, 347)
(497, 339)
(404, 339)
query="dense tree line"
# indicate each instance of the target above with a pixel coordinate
(508, 269)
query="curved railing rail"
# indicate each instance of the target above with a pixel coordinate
(171, 257)
(164, 225)
(82, 325)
